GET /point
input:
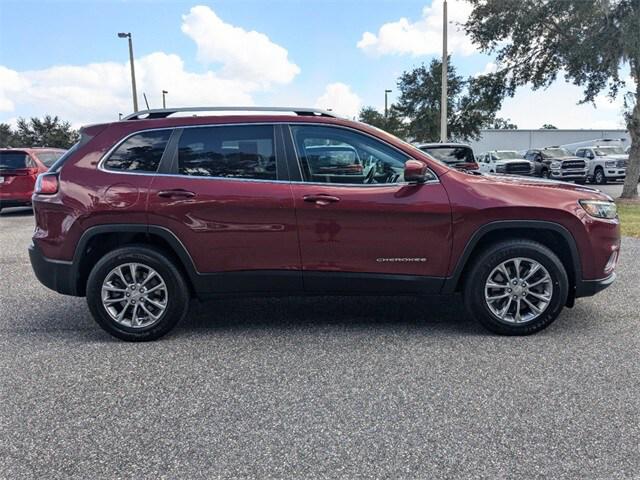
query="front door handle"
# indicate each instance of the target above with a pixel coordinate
(177, 193)
(321, 199)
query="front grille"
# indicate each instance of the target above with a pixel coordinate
(621, 163)
(518, 167)
(573, 164)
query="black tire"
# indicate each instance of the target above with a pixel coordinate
(177, 303)
(598, 176)
(544, 173)
(494, 255)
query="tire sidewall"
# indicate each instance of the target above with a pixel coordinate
(178, 298)
(474, 291)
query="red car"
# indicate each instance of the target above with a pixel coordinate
(145, 213)
(19, 168)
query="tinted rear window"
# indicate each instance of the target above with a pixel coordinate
(139, 153)
(451, 155)
(13, 160)
(48, 158)
(232, 152)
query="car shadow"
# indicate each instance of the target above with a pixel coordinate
(442, 314)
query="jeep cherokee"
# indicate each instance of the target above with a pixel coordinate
(146, 213)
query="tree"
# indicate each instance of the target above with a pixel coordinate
(7, 137)
(548, 126)
(587, 41)
(503, 124)
(392, 123)
(48, 132)
(471, 104)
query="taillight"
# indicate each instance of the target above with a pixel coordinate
(46, 184)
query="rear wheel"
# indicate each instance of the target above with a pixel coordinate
(137, 294)
(598, 176)
(516, 287)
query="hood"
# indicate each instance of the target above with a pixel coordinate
(564, 159)
(619, 156)
(511, 160)
(546, 188)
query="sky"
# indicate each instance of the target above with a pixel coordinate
(64, 57)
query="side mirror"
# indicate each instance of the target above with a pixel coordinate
(415, 171)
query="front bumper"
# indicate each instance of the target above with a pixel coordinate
(588, 288)
(569, 174)
(57, 275)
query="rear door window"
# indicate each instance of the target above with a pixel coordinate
(140, 152)
(243, 151)
(14, 160)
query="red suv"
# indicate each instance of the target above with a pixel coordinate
(144, 214)
(19, 168)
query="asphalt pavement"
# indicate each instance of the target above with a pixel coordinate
(316, 388)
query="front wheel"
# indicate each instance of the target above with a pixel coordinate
(544, 173)
(516, 287)
(599, 177)
(137, 294)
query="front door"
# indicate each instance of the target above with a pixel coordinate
(362, 228)
(227, 199)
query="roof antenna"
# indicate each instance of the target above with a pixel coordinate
(145, 100)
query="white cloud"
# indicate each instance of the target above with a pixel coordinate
(340, 99)
(558, 105)
(98, 91)
(424, 36)
(251, 56)
(488, 68)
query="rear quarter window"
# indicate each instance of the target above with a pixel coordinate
(48, 158)
(139, 153)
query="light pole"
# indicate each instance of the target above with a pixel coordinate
(443, 98)
(164, 103)
(386, 108)
(133, 70)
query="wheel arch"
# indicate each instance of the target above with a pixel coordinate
(553, 235)
(98, 240)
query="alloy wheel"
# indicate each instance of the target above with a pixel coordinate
(518, 290)
(134, 295)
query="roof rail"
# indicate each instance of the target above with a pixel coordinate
(166, 112)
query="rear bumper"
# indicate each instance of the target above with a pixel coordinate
(587, 288)
(6, 203)
(57, 275)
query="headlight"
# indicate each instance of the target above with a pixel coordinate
(599, 208)
(556, 164)
(610, 164)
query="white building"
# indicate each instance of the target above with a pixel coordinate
(526, 139)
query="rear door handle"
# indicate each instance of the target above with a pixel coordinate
(177, 193)
(321, 199)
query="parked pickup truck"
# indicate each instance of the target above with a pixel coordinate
(604, 162)
(505, 161)
(557, 163)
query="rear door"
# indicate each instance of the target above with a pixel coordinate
(18, 172)
(362, 228)
(227, 198)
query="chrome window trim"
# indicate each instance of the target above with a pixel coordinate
(105, 156)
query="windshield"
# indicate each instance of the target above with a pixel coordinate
(604, 151)
(507, 155)
(13, 160)
(555, 152)
(48, 158)
(451, 155)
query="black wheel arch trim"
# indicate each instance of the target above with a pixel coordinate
(451, 283)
